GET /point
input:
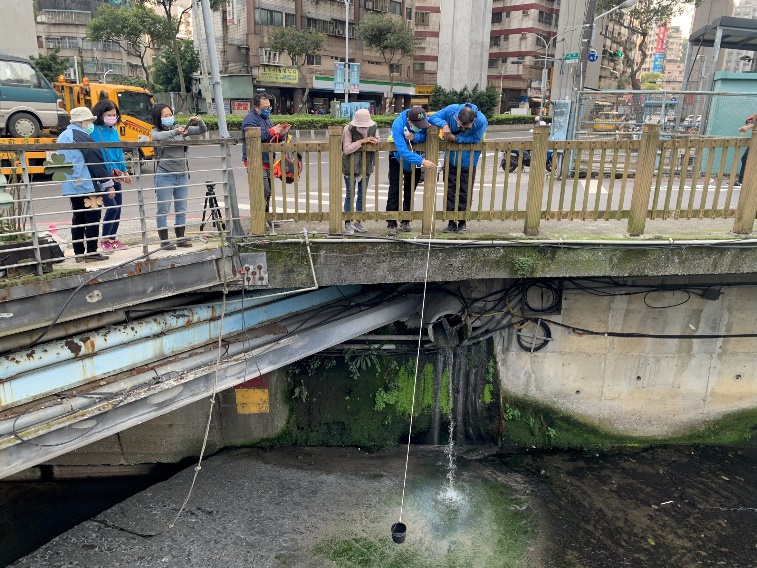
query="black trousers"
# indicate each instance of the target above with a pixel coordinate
(743, 166)
(392, 200)
(465, 175)
(85, 225)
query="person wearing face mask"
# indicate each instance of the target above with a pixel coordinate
(259, 117)
(407, 129)
(107, 117)
(85, 185)
(460, 124)
(172, 172)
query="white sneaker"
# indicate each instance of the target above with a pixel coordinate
(348, 230)
(358, 226)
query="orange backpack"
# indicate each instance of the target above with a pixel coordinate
(287, 171)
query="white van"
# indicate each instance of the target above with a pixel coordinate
(28, 102)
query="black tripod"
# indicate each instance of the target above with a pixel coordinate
(211, 208)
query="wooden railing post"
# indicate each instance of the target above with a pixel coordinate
(642, 184)
(747, 207)
(255, 180)
(536, 179)
(335, 180)
(429, 182)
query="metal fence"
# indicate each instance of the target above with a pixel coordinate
(652, 177)
(622, 114)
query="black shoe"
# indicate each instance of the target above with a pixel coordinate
(94, 257)
(274, 225)
(451, 228)
(405, 226)
(461, 228)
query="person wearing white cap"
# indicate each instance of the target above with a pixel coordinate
(360, 131)
(89, 177)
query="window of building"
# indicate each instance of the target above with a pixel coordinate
(269, 57)
(289, 20)
(313, 60)
(52, 42)
(507, 14)
(409, 14)
(110, 46)
(395, 68)
(494, 41)
(64, 17)
(496, 17)
(419, 66)
(395, 7)
(266, 17)
(545, 18)
(493, 62)
(422, 18)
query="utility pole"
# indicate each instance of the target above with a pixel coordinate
(197, 37)
(347, 51)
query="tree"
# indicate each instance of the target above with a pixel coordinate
(640, 21)
(486, 100)
(652, 81)
(165, 73)
(136, 29)
(391, 37)
(50, 65)
(116, 79)
(297, 44)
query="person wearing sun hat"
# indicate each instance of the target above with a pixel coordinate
(361, 130)
(88, 178)
(408, 128)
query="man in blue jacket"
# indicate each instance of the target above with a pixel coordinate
(259, 117)
(460, 124)
(408, 128)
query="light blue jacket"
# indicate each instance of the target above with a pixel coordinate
(113, 157)
(409, 158)
(87, 164)
(474, 135)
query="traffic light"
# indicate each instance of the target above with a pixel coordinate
(620, 53)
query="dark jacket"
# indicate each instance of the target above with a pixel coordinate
(254, 120)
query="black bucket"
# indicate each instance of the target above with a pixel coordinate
(399, 530)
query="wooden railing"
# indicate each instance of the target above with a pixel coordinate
(587, 180)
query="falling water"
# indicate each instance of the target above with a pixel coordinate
(448, 494)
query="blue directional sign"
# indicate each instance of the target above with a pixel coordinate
(339, 76)
(593, 56)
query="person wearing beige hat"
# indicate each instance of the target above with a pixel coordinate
(360, 132)
(89, 177)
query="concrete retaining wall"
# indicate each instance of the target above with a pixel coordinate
(641, 386)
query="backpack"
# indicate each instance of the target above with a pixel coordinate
(286, 171)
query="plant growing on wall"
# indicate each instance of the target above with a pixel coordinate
(391, 37)
(297, 44)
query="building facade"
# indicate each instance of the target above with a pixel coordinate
(62, 24)
(19, 39)
(248, 64)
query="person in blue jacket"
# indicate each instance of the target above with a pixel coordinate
(460, 124)
(408, 128)
(107, 117)
(84, 186)
(259, 117)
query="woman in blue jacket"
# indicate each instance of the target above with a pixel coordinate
(107, 117)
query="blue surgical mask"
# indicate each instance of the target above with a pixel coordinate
(167, 122)
(265, 113)
(90, 128)
(415, 128)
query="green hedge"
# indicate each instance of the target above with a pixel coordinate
(320, 122)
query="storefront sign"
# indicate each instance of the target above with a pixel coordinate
(424, 89)
(240, 107)
(278, 75)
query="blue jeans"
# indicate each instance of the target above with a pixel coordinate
(112, 213)
(348, 195)
(171, 187)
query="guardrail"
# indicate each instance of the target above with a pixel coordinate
(534, 181)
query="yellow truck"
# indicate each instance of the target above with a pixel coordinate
(135, 104)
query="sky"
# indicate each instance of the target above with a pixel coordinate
(684, 21)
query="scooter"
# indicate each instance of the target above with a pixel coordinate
(512, 164)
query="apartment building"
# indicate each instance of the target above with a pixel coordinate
(62, 24)
(738, 60)
(522, 36)
(674, 60)
(249, 65)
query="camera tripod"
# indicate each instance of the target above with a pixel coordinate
(211, 209)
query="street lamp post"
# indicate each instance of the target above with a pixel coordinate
(544, 71)
(105, 75)
(346, 51)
